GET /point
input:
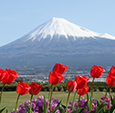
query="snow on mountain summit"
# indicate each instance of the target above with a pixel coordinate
(105, 35)
(60, 26)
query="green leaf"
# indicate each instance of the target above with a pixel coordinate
(64, 106)
(112, 108)
(61, 110)
(98, 104)
(113, 111)
(77, 110)
(99, 108)
(41, 109)
(2, 109)
(57, 107)
(90, 105)
(6, 111)
(102, 110)
(113, 101)
(87, 96)
(44, 108)
(107, 111)
(27, 107)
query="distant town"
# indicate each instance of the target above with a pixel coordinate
(43, 77)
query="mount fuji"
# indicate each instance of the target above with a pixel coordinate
(58, 40)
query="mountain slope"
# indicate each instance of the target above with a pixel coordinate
(59, 26)
(58, 40)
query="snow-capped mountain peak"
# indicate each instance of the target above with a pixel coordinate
(106, 35)
(60, 26)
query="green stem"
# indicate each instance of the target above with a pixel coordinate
(105, 96)
(49, 97)
(17, 103)
(109, 98)
(105, 100)
(79, 100)
(31, 102)
(67, 102)
(74, 100)
(92, 87)
(1, 92)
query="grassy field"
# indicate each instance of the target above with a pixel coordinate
(9, 98)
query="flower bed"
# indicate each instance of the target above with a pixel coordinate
(37, 105)
(53, 105)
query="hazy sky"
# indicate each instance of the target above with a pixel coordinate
(18, 17)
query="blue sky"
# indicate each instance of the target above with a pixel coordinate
(18, 17)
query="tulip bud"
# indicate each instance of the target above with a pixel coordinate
(22, 88)
(35, 88)
(96, 71)
(71, 86)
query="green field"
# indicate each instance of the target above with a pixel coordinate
(9, 98)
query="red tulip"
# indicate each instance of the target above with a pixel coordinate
(81, 81)
(35, 88)
(22, 88)
(59, 68)
(96, 71)
(110, 80)
(112, 71)
(71, 85)
(83, 91)
(10, 76)
(2, 74)
(55, 78)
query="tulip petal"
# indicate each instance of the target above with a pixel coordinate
(110, 80)
(96, 71)
(55, 78)
(83, 91)
(22, 88)
(71, 85)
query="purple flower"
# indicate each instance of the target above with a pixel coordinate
(71, 103)
(105, 100)
(37, 104)
(40, 101)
